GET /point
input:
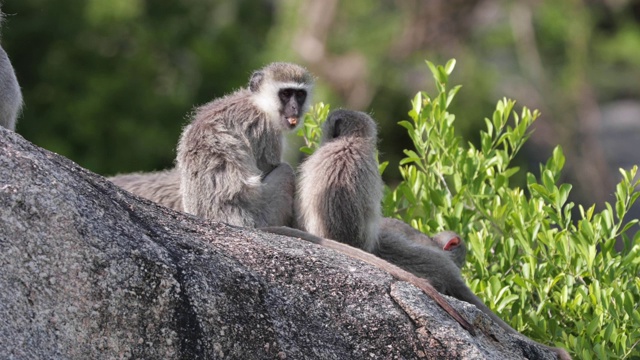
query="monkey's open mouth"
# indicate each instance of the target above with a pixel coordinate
(293, 121)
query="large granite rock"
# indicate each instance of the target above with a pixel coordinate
(88, 271)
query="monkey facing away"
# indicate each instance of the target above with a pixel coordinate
(448, 241)
(10, 94)
(229, 157)
(338, 197)
(339, 188)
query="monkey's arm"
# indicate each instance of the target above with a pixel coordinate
(219, 177)
(395, 271)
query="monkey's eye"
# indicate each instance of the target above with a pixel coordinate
(301, 96)
(285, 94)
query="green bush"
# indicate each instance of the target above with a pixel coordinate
(554, 278)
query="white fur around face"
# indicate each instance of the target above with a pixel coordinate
(268, 101)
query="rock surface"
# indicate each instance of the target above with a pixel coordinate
(88, 271)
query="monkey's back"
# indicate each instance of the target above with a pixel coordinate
(162, 187)
(340, 191)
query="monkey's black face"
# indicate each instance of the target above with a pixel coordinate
(292, 104)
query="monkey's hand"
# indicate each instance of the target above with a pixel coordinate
(278, 189)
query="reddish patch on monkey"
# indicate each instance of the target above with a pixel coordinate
(293, 121)
(452, 244)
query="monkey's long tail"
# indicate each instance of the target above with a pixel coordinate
(395, 271)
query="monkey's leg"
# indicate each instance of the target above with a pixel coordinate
(395, 271)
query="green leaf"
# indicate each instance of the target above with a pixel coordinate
(382, 167)
(489, 126)
(451, 64)
(593, 326)
(434, 70)
(417, 103)
(563, 194)
(452, 94)
(407, 125)
(512, 171)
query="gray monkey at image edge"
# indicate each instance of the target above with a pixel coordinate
(229, 165)
(11, 99)
(338, 197)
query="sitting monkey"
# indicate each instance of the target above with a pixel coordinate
(338, 197)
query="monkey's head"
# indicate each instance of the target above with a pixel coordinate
(347, 123)
(283, 91)
(450, 241)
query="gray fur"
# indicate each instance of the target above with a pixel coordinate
(235, 142)
(339, 194)
(11, 97)
(162, 187)
(339, 187)
(427, 262)
(458, 254)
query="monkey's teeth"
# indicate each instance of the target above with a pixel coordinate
(293, 121)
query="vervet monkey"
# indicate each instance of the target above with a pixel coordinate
(339, 188)
(162, 187)
(229, 165)
(339, 192)
(10, 94)
(229, 157)
(338, 197)
(448, 241)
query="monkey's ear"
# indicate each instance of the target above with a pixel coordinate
(451, 244)
(256, 80)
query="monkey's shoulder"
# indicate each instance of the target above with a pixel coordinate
(226, 110)
(342, 153)
(339, 168)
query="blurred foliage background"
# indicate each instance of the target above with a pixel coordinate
(110, 84)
